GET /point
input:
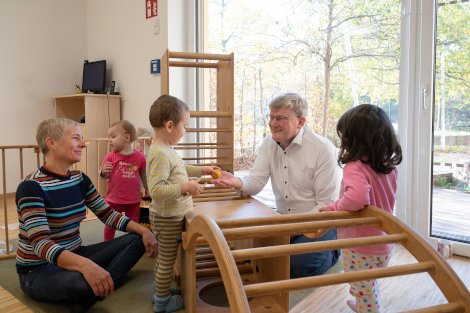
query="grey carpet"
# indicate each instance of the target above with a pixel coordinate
(133, 294)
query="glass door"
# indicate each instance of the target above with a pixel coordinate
(443, 125)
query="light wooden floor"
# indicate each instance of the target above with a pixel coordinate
(398, 293)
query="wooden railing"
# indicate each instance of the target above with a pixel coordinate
(83, 165)
(4, 180)
(204, 229)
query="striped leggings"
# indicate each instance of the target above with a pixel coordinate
(165, 229)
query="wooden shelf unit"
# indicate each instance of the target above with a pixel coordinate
(225, 102)
(100, 110)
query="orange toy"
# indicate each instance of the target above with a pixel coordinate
(217, 175)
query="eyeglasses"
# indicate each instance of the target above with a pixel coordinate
(279, 119)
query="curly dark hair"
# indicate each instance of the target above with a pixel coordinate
(367, 134)
(166, 108)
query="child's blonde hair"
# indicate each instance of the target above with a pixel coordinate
(54, 128)
(128, 128)
(166, 108)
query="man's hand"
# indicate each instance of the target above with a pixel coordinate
(227, 180)
(108, 166)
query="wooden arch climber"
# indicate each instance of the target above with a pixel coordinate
(217, 235)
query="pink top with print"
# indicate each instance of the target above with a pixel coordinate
(124, 178)
(363, 186)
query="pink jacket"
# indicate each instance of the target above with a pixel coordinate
(363, 186)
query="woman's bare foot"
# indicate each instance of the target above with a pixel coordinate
(352, 305)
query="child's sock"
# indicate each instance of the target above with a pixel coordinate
(173, 290)
(168, 304)
(352, 305)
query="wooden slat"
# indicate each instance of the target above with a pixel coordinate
(210, 190)
(193, 64)
(263, 289)
(210, 113)
(208, 130)
(203, 250)
(198, 144)
(268, 252)
(284, 219)
(206, 264)
(21, 163)
(212, 195)
(202, 158)
(453, 307)
(19, 147)
(295, 229)
(5, 210)
(212, 272)
(199, 56)
(217, 199)
(203, 257)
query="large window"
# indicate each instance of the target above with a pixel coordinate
(336, 54)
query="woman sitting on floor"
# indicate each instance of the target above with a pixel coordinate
(51, 262)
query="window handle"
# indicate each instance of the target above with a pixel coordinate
(424, 91)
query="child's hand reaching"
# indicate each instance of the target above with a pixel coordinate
(108, 166)
(209, 170)
(324, 209)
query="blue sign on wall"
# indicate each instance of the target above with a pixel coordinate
(155, 66)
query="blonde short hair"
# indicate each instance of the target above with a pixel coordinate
(53, 127)
(290, 100)
(128, 128)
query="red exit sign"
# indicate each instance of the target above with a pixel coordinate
(151, 8)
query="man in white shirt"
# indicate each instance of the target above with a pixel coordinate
(304, 176)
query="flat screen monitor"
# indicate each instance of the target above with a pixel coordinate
(94, 76)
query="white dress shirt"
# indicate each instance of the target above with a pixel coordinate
(305, 176)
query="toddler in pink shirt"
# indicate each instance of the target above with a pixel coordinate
(370, 151)
(125, 167)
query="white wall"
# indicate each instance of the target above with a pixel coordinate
(181, 38)
(43, 45)
(119, 33)
(42, 48)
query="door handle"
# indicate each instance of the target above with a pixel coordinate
(424, 91)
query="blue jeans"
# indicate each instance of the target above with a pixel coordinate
(315, 263)
(53, 283)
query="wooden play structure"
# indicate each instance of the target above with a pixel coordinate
(224, 114)
(220, 225)
(244, 245)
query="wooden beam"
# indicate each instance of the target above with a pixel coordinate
(268, 288)
(210, 114)
(200, 56)
(193, 64)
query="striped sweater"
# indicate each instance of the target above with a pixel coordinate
(165, 172)
(50, 208)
